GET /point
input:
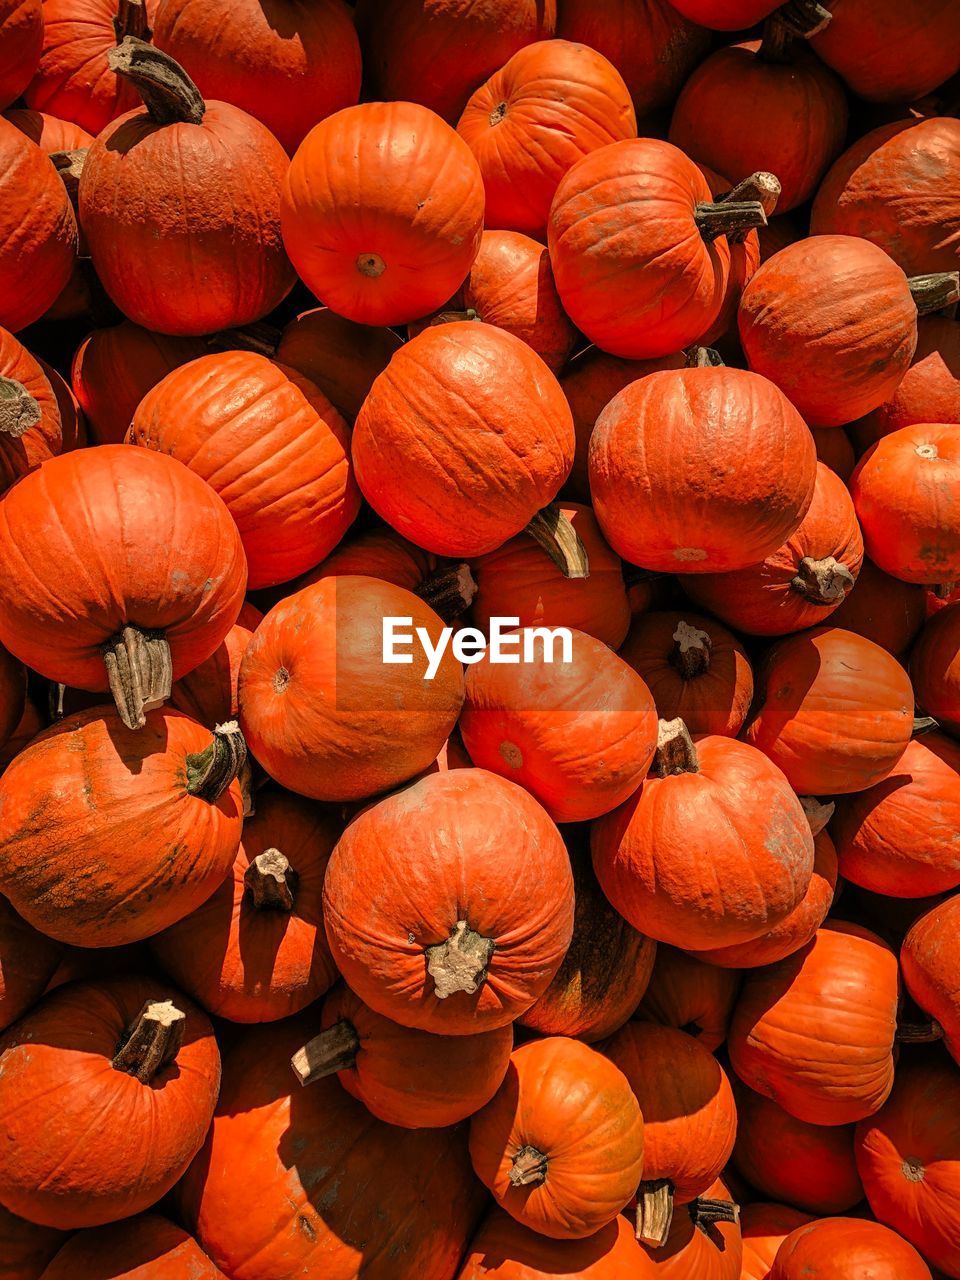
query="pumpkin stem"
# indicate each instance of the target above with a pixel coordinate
(825, 581)
(761, 186)
(272, 881)
(449, 590)
(168, 93)
(675, 751)
(552, 531)
(262, 339)
(211, 771)
(69, 165)
(728, 218)
(332, 1050)
(924, 724)
(691, 651)
(153, 1041)
(18, 409)
(706, 1212)
(131, 20)
(818, 814)
(935, 291)
(529, 1168)
(140, 672)
(654, 1212)
(702, 358)
(454, 317)
(919, 1032)
(460, 963)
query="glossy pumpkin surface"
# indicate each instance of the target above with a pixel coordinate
(688, 993)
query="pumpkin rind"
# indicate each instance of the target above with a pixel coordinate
(928, 960)
(50, 133)
(209, 693)
(841, 1247)
(341, 357)
(25, 1247)
(764, 1227)
(28, 961)
(690, 994)
(21, 39)
(143, 1248)
(707, 1249)
(503, 1249)
(935, 668)
(882, 609)
(31, 423)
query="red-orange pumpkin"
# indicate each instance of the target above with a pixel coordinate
(31, 425)
(935, 668)
(341, 357)
(835, 450)
(209, 693)
(21, 40)
(49, 132)
(28, 961)
(703, 1240)
(449, 905)
(726, 15)
(763, 1228)
(25, 1247)
(929, 960)
(73, 425)
(503, 1249)
(882, 609)
(839, 1248)
(695, 997)
(144, 1248)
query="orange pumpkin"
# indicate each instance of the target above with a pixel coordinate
(835, 451)
(25, 1247)
(73, 425)
(744, 260)
(764, 1227)
(49, 132)
(13, 694)
(503, 1249)
(209, 693)
(882, 609)
(703, 1241)
(31, 424)
(935, 668)
(841, 1247)
(686, 993)
(21, 39)
(341, 357)
(147, 1247)
(928, 960)
(28, 961)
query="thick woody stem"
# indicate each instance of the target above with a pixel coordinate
(529, 1168)
(131, 20)
(262, 339)
(691, 652)
(18, 409)
(705, 1212)
(460, 963)
(271, 881)
(654, 1212)
(331, 1051)
(675, 751)
(728, 218)
(552, 531)
(805, 18)
(817, 813)
(760, 186)
(825, 581)
(919, 1032)
(924, 724)
(167, 91)
(935, 291)
(140, 672)
(69, 165)
(449, 590)
(703, 358)
(153, 1041)
(210, 772)
(453, 317)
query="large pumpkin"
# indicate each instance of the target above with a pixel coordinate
(929, 959)
(28, 961)
(31, 424)
(210, 692)
(935, 668)
(26, 1247)
(21, 40)
(320, 709)
(763, 1228)
(144, 1248)
(561, 1143)
(341, 357)
(691, 995)
(700, 470)
(504, 1249)
(130, 1051)
(840, 1248)
(703, 1240)
(882, 609)
(166, 242)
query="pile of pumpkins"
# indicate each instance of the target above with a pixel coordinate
(632, 319)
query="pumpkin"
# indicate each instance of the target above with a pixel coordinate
(815, 1031)
(802, 682)
(935, 668)
(764, 1227)
(690, 995)
(341, 357)
(403, 1076)
(929, 961)
(449, 905)
(28, 961)
(48, 132)
(289, 65)
(270, 443)
(902, 490)
(21, 39)
(553, 103)
(25, 1247)
(146, 177)
(882, 609)
(639, 248)
(437, 53)
(703, 1240)
(503, 1249)
(320, 709)
(841, 1248)
(561, 1143)
(833, 322)
(835, 450)
(908, 1155)
(31, 424)
(661, 457)
(209, 693)
(695, 669)
(131, 1052)
(712, 849)
(73, 425)
(144, 1248)
(109, 834)
(803, 581)
(478, 466)
(726, 15)
(744, 260)
(162, 591)
(28, 726)
(810, 1166)
(606, 968)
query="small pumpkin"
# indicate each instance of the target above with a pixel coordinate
(147, 1247)
(21, 39)
(50, 133)
(25, 1247)
(504, 1249)
(28, 961)
(835, 450)
(882, 609)
(703, 1240)
(209, 693)
(341, 357)
(31, 424)
(763, 1228)
(843, 1247)
(687, 993)
(935, 668)
(928, 960)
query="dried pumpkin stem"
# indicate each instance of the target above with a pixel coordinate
(460, 963)
(675, 751)
(529, 1168)
(935, 291)
(761, 186)
(825, 581)
(691, 651)
(167, 91)
(728, 218)
(18, 409)
(705, 1212)
(454, 317)
(261, 339)
(919, 1032)
(449, 590)
(69, 165)
(140, 672)
(924, 724)
(702, 358)
(210, 772)
(552, 530)
(779, 43)
(654, 1212)
(271, 881)
(131, 20)
(331, 1051)
(817, 813)
(943, 590)
(153, 1041)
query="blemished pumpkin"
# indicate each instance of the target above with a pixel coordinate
(843, 1247)
(703, 1240)
(661, 459)
(28, 961)
(146, 179)
(209, 693)
(403, 1076)
(935, 668)
(108, 834)
(147, 1247)
(553, 103)
(160, 595)
(803, 682)
(382, 212)
(449, 905)
(270, 443)
(478, 465)
(815, 1031)
(341, 357)
(803, 581)
(694, 667)
(928, 961)
(323, 713)
(561, 1144)
(835, 450)
(31, 424)
(21, 39)
(712, 849)
(132, 1052)
(763, 1229)
(274, 1193)
(504, 1249)
(882, 609)
(694, 997)
(50, 133)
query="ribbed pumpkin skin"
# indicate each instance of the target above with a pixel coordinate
(144, 1248)
(209, 693)
(726, 15)
(713, 1253)
(802, 683)
(835, 451)
(503, 1249)
(462, 845)
(739, 113)
(764, 1227)
(221, 261)
(690, 995)
(270, 444)
(20, 454)
(836, 1248)
(553, 103)
(832, 322)
(57, 1074)
(935, 668)
(632, 269)
(101, 843)
(376, 553)
(28, 961)
(700, 470)
(167, 557)
(341, 357)
(21, 39)
(882, 609)
(762, 600)
(383, 212)
(478, 465)
(273, 1196)
(576, 1108)
(928, 961)
(250, 965)
(930, 390)
(825, 1068)
(50, 133)
(319, 708)
(25, 1248)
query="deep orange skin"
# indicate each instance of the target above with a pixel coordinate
(577, 1108)
(341, 357)
(57, 1073)
(714, 1254)
(835, 450)
(691, 995)
(377, 553)
(101, 843)
(726, 15)
(882, 609)
(553, 103)
(504, 1249)
(273, 1196)
(21, 454)
(28, 961)
(838, 1248)
(221, 261)
(143, 1248)
(935, 668)
(210, 692)
(169, 558)
(21, 39)
(48, 132)
(930, 390)
(764, 1227)
(831, 1069)
(461, 845)
(928, 960)
(25, 1248)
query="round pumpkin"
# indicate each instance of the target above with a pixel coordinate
(882, 609)
(815, 1031)
(147, 1247)
(28, 961)
(209, 693)
(553, 103)
(763, 1228)
(25, 1247)
(31, 424)
(50, 133)
(503, 1249)
(928, 960)
(341, 357)
(700, 470)
(703, 1240)
(835, 450)
(691, 995)
(478, 465)
(561, 1143)
(726, 15)
(935, 668)
(320, 709)
(21, 39)
(847, 1249)
(835, 711)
